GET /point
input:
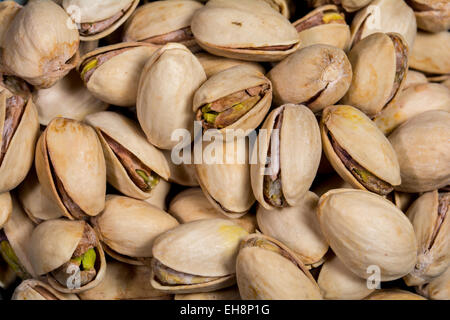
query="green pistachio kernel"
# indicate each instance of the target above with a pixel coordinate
(88, 259)
(150, 180)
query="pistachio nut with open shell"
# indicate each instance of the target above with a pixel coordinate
(431, 52)
(198, 256)
(33, 289)
(5, 208)
(286, 159)
(438, 288)
(358, 150)
(69, 253)
(133, 165)
(71, 168)
(231, 293)
(393, 294)
(431, 15)
(316, 76)
(246, 30)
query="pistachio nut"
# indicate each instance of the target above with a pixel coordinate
(191, 205)
(379, 64)
(174, 70)
(393, 294)
(183, 173)
(246, 30)
(198, 256)
(431, 15)
(348, 5)
(324, 25)
(33, 289)
(8, 10)
(438, 288)
(45, 42)
(98, 18)
(431, 52)
(71, 168)
(5, 208)
(382, 16)
(358, 150)
(69, 253)
(231, 293)
(159, 196)
(364, 229)
(422, 145)
(112, 73)
(296, 227)
(161, 22)
(133, 165)
(128, 227)
(429, 215)
(416, 99)
(413, 78)
(316, 76)
(287, 157)
(236, 98)
(267, 269)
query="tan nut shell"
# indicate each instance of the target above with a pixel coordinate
(413, 78)
(436, 18)
(74, 152)
(128, 134)
(231, 293)
(431, 52)
(174, 70)
(183, 173)
(422, 145)
(5, 208)
(364, 229)
(266, 275)
(8, 10)
(364, 142)
(393, 294)
(33, 289)
(129, 227)
(229, 27)
(438, 288)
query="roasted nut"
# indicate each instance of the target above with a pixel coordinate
(431, 52)
(431, 15)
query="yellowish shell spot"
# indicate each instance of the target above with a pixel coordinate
(350, 114)
(232, 233)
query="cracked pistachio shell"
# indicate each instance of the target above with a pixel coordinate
(422, 145)
(124, 282)
(296, 227)
(78, 101)
(300, 149)
(237, 29)
(431, 52)
(416, 99)
(160, 193)
(5, 208)
(205, 248)
(382, 16)
(128, 227)
(8, 10)
(191, 205)
(432, 15)
(215, 64)
(174, 70)
(33, 289)
(374, 65)
(53, 243)
(43, 36)
(116, 80)
(364, 229)
(231, 293)
(72, 151)
(393, 294)
(332, 34)
(413, 78)
(438, 288)
(129, 135)
(433, 249)
(91, 11)
(225, 180)
(363, 141)
(183, 173)
(19, 155)
(232, 80)
(317, 76)
(264, 274)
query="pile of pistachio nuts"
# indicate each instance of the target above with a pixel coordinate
(225, 149)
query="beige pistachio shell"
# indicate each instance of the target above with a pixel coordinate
(215, 64)
(183, 173)
(382, 16)
(159, 196)
(413, 78)
(19, 155)
(72, 151)
(234, 28)
(333, 182)
(336, 282)
(416, 99)
(266, 275)
(438, 288)
(5, 208)
(393, 294)
(33, 289)
(432, 15)
(191, 205)
(231, 293)
(318, 76)
(77, 101)
(116, 81)
(422, 145)
(128, 227)
(363, 141)
(47, 42)
(129, 135)
(364, 229)
(300, 149)
(431, 52)
(174, 70)
(232, 80)
(297, 227)
(124, 282)
(285, 7)
(8, 10)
